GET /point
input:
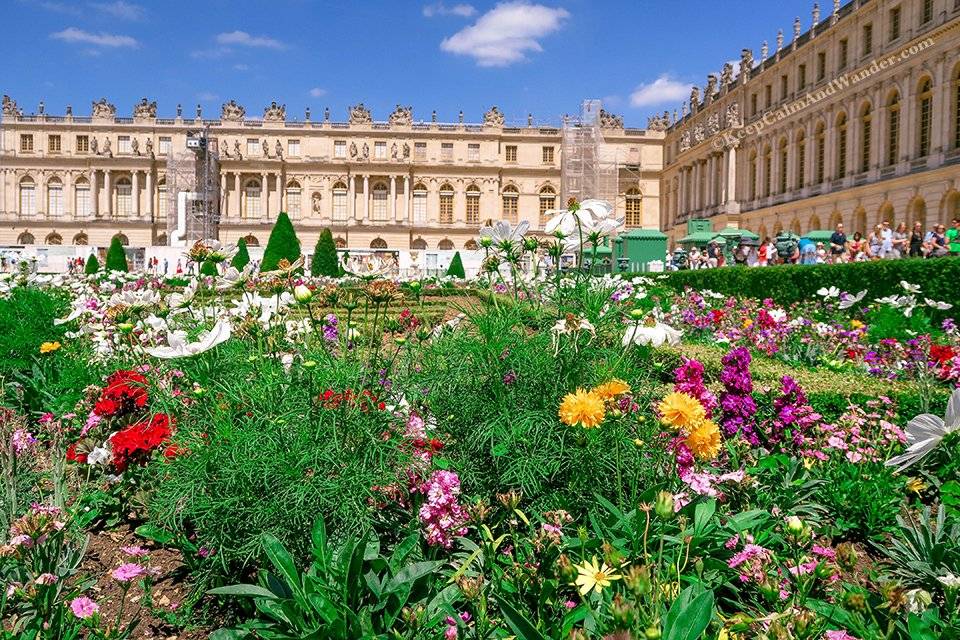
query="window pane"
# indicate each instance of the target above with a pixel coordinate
(419, 206)
(55, 196)
(28, 200)
(83, 201)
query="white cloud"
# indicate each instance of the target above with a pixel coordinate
(74, 35)
(244, 39)
(504, 34)
(58, 7)
(241, 67)
(120, 9)
(317, 92)
(206, 96)
(663, 89)
(440, 9)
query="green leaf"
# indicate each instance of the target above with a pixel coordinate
(411, 573)
(522, 627)
(155, 534)
(243, 591)
(282, 562)
(689, 614)
(701, 516)
(319, 537)
(228, 634)
(920, 629)
(402, 550)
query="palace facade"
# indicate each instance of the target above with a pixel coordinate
(397, 184)
(855, 121)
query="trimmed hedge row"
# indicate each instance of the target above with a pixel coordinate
(939, 279)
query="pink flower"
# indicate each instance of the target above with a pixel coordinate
(83, 607)
(442, 516)
(839, 635)
(136, 551)
(46, 579)
(127, 572)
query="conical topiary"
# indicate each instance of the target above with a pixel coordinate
(116, 258)
(325, 262)
(283, 244)
(92, 266)
(242, 257)
(456, 267)
(208, 269)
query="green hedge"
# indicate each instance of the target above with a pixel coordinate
(938, 278)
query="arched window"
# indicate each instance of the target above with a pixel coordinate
(124, 240)
(795, 226)
(767, 170)
(777, 228)
(753, 175)
(81, 194)
(471, 245)
(951, 206)
(26, 238)
(511, 198)
(340, 242)
(820, 137)
(917, 211)
(53, 238)
(893, 128)
(634, 207)
(378, 243)
(866, 132)
(293, 199)
(162, 240)
(28, 198)
(859, 221)
(762, 232)
(339, 199)
(124, 197)
(841, 146)
(54, 198)
(548, 201)
(473, 204)
(886, 213)
(924, 116)
(251, 240)
(783, 166)
(379, 211)
(835, 218)
(445, 245)
(162, 198)
(81, 239)
(814, 224)
(801, 159)
(419, 244)
(251, 199)
(446, 204)
(955, 96)
(419, 203)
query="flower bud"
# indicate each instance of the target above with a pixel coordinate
(664, 505)
(415, 285)
(652, 633)
(611, 556)
(125, 327)
(637, 314)
(795, 525)
(621, 612)
(309, 364)
(855, 602)
(302, 293)
(846, 556)
(486, 242)
(400, 340)
(637, 580)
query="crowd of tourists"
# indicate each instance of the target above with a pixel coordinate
(885, 242)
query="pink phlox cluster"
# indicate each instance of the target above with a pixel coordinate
(442, 516)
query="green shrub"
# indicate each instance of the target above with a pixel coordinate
(242, 257)
(116, 258)
(92, 266)
(787, 284)
(283, 244)
(456, 267)
(208, 268)
(325, 262)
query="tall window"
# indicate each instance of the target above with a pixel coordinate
(53, 144)
(767, 96)
(419, 150)
(26, 142)
(164, 145)
(124, 197)
(380, 150)
(162, 199)
(802, 77)
(82, 193)
(867, 44)
(83, 144)
(767, 166)
(844, 55)
(446, 151)
(420, 203)
(511, 199)
(925, 104)
(339, 200)
(753, 105)
(782, 186)
(28, 197)
(123, 144)
(784, 87)
(473, 204)
(821, 141)
(380, 196)
(251, 205)
(252, 147)
(548, 201)
(956, 108)
(893, 129)
(895, 14)
(54, 197)
(293, 199)
(548, 155)
(866, 131)
(339, 148)
(293, 148)
(446, 204)
(821, 66)
(510, 153)
(473, 152)
(801, 159)
(753, 176)
(927, 13)
(634, 208)
(841, 146)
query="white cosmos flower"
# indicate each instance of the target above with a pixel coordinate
(178, 347)
(566, 222)
(136, 298)
(656, 335)
(926, 431)
(503, 232)
(950, 581)
(233, 278)
(599, 209)
(832, 292)
(99, 455)
(179, 300)
(848, 300)
(942, 306)
(910, 288)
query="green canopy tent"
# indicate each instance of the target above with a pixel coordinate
(702, 238)
(733, 233)
(819, 235)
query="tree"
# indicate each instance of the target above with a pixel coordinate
(456, 267)
(283, 244)
(116, 258)
(208, 268)
(92, 266)
(242, 258)
(325, 261)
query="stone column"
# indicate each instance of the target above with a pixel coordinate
(151, 194)
(393, 198)
(265, 197)
(238, 205)
(3, 190)
(406, 198)
(94, 194)
(223, 194)
(696, 186)
(135, 196)
(908, 126)
(366, 197)
(682, 200)
(351, 197)
(108, 184)
(940, 109)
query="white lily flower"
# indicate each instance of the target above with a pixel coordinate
(926, 431)
(942, 306)
(178, 347)
(656, 335)
(848, 300)
(832, 292)
(910, 288)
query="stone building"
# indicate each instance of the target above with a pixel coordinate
(397, 184)
(855, 121)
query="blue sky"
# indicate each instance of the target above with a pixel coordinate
(541, 56)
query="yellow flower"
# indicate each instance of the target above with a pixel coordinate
(856, 324)
(704, 440)
(808, 463)
(747, 323)
(610, 390)
(582, 407)
(594, 576)
(916, 485)
(49, 347)
(680, 411)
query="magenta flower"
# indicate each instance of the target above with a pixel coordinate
(442, 516)
(46, 579)
(136, 551)
(83, 607)
(127, 572)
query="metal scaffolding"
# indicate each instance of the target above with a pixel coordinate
(193, 191)
(587, 169)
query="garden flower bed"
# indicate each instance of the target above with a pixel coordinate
(279, 455)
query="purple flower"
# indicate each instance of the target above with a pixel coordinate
(83, 607)
(22, 441)
(509, 377)
(736, 402)
(442, 516)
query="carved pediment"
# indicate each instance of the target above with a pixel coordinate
(103, 110)
(232, 112)
(275, 113)
(610, 121)
(493, 117)
(359, 114)
(144, 110)
(9, 107)
(402, 115)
